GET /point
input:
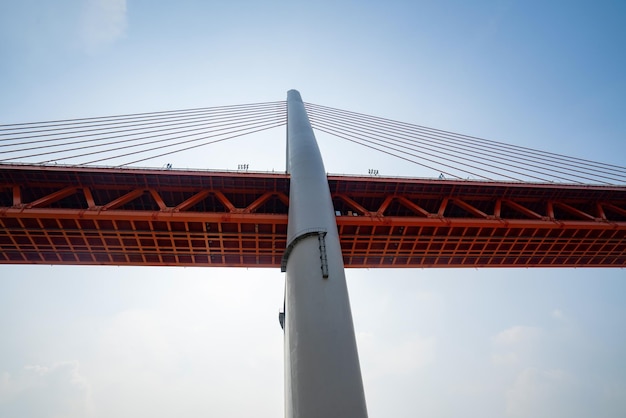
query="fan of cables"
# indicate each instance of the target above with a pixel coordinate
(136, 137)
(457, 156)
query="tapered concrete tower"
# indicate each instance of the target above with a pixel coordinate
(322, 372)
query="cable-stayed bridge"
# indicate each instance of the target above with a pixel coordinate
(518, 207)
(489, 204)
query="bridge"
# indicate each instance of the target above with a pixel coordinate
(131, 216)
(517, 208)
(488, 204)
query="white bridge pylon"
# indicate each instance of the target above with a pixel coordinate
(322, 372)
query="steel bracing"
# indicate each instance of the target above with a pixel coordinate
(73, 215)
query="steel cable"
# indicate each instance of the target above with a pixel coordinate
(469, 139)
(173, 128)
(432, 145)
(194, 146)
(241, 128)
(414, 136)
(115, 131)
(428, 147)
(178, 131)
(27, 125)
(338, 135)
(409, 143)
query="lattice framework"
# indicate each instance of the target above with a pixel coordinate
(63, 215)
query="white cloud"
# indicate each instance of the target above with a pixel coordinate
(613, 395)
(193, 350)
(5, 387)
(506, 358)
(545, 393)
(399, 357)
(513, 345)
(516, 335)
(137, 339)
(103, 22)
(413, 354)
(46, 392)
(558, 314)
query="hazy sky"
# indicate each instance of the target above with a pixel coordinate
(163, 342)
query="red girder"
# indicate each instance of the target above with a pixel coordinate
(62, 215)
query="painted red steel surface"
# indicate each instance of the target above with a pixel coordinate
(65, 215)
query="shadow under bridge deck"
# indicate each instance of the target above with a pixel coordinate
(110, 216)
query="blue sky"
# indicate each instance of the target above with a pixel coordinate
(100, 342)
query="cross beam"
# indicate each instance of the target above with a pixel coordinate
(68, 215)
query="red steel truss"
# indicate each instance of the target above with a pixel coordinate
(67, 215)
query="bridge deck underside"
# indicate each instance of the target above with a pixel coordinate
(103, 216)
